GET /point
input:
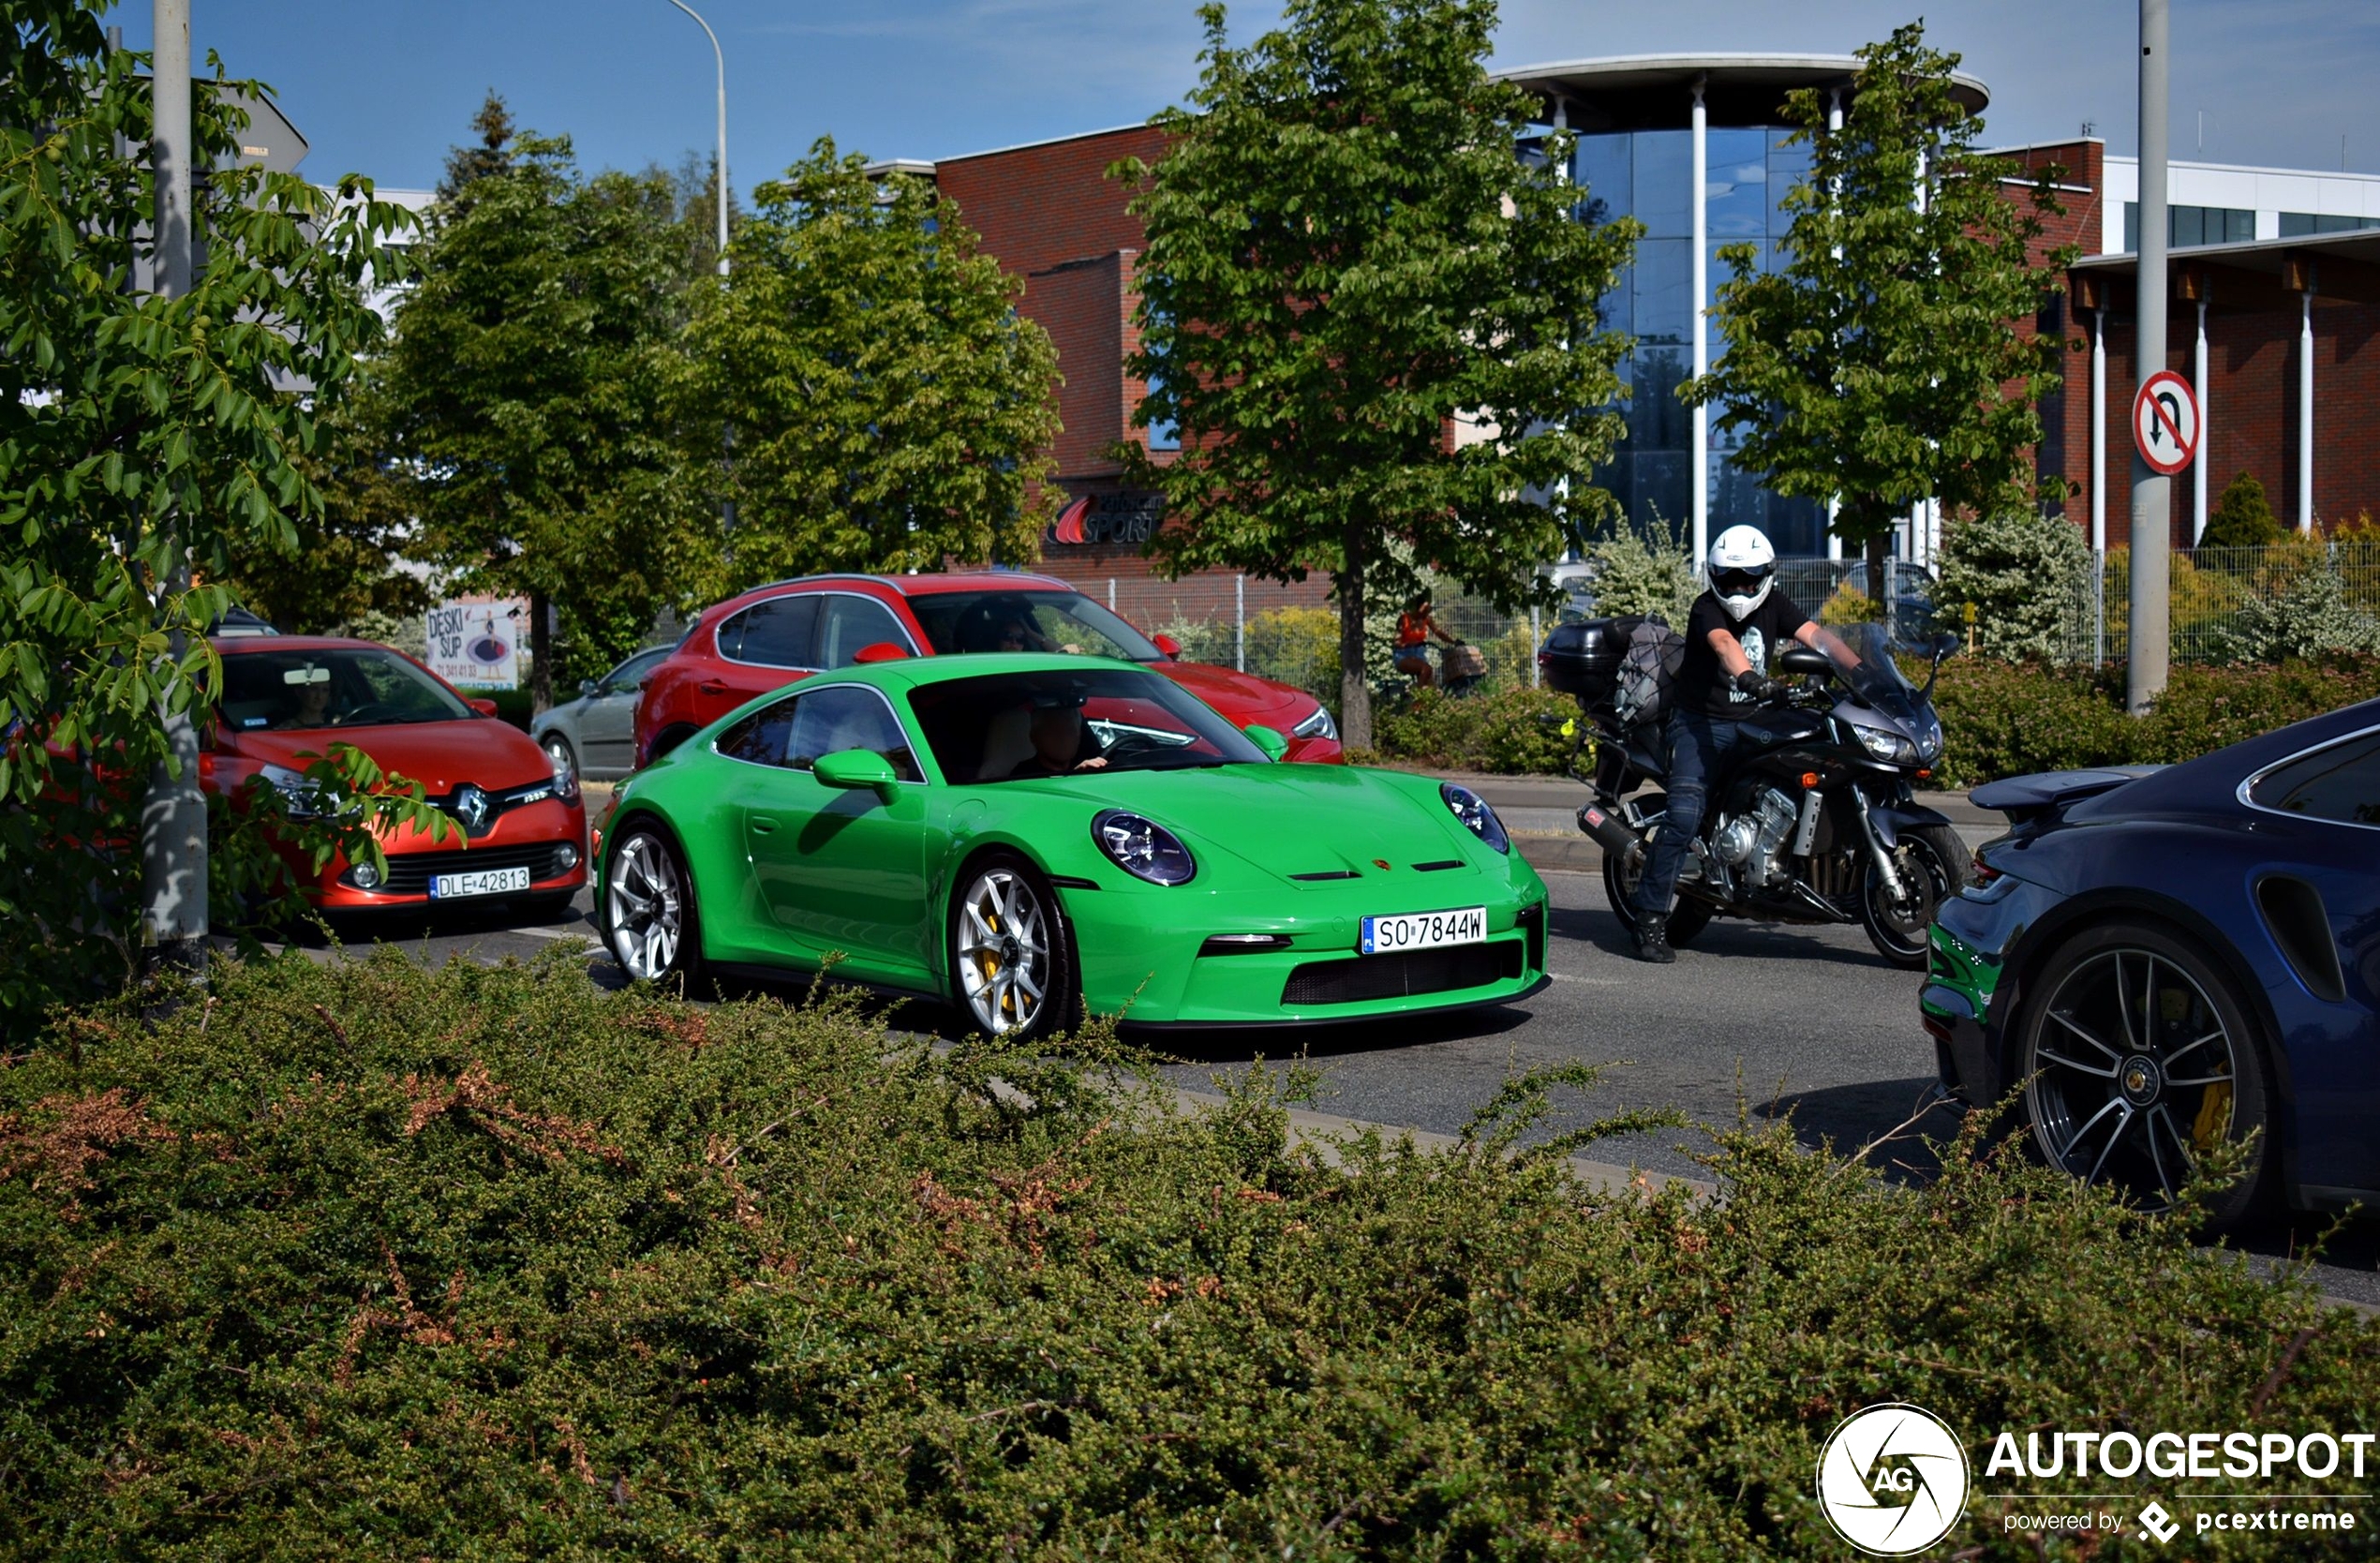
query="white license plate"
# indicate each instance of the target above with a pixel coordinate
(1425, 931)
(479, 882)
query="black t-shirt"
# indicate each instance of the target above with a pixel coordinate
(1702, 683)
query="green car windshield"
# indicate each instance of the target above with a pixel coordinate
(1028, 727)
(960, 621)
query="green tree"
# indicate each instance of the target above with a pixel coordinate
(2243, 517)
(890, 409)
(1347, 264)
(1646, 573)
(143, 441)
(523, 392)
(1876, 365)
(343, 565)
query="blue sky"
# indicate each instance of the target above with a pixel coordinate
(384, 88)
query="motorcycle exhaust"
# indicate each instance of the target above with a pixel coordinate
(1611, 832)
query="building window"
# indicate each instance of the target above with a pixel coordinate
(1164, 433)
(2297, 224)
(2194, 225)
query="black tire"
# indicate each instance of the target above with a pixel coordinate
(1688, 917)
(1011, 952)
(2191, 1070)
(558, 749)
(1932, 861)
(650, 919)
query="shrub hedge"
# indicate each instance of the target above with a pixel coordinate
(2004, 720)
(1512, 732)
(360, 1260)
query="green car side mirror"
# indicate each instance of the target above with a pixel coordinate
(855, 768)
(1264, 738)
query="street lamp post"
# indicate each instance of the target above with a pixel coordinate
(721, 56)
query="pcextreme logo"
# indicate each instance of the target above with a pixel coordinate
(1893, 1480)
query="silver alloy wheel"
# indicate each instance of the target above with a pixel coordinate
(558, 749)
(2136, 1073)
(1004, 951)
(646, 897)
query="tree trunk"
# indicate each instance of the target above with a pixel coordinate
(1355, 690)
(1880, 587)
(541, 651)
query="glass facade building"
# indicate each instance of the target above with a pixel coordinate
(1648, 174)
(1644, 124)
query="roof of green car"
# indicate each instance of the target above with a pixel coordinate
(912, 672)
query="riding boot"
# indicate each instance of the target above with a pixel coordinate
(1653, 939)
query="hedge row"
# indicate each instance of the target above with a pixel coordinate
(365, 1261)
(1999, 720)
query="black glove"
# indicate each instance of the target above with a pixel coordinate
(1751, 682)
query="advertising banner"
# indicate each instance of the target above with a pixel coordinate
(475, 642)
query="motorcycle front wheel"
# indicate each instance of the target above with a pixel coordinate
(1688, 917)
(1931, 862)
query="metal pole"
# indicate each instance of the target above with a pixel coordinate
(1700, 460)
(2099, 430)
(173, 857)
(1834, 187)
(2146, 656)
(721, 56)
(2198, 466)
(1239, 623)
(1537, 638)
(2305, 408)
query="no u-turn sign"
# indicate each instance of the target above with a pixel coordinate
(2165, 422)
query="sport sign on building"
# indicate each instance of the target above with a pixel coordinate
(475, 642)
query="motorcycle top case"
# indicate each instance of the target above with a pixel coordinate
(1583, 658)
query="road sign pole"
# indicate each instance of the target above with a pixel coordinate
(2145, 658)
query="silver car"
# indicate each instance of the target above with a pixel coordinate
(594, 736)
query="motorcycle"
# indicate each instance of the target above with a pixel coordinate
(1814, 822)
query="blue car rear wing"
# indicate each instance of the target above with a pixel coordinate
(2027, 799)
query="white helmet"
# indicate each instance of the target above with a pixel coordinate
(1742, 568)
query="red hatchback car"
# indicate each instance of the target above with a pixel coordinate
(774, 634)
(287, 697)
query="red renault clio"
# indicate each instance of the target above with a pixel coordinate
(285, 698)
(774, 634)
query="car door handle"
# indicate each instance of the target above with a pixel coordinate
(711, 686)
(763, 825)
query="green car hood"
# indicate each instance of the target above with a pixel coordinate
(1281, 820)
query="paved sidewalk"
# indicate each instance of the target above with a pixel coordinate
(1541, 813)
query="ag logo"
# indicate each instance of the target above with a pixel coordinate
(1893, 1480)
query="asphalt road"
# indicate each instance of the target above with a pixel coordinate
(1805, 1024)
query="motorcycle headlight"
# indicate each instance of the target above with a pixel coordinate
(1889, 747)
(300, 794)
(1318, 725)
(1477, 817)
(1142, 848)
(1929, 741)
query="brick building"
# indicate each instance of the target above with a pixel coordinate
(2272, 260)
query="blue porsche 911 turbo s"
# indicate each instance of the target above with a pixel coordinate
(2166, 959)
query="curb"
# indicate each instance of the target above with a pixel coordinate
(1553, 854)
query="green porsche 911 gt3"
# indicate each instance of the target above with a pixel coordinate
(1034, 836)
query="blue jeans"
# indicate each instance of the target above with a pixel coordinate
(1698, 742)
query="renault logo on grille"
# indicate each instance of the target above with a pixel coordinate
(473, 808)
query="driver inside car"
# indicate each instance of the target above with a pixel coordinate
(1737, 626)
(1061, 742)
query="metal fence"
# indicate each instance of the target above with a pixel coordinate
(2226, 604)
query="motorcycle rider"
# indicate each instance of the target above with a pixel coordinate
(1736, 625)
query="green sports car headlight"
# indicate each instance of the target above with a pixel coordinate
(1144, 848)
(1477, 817)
